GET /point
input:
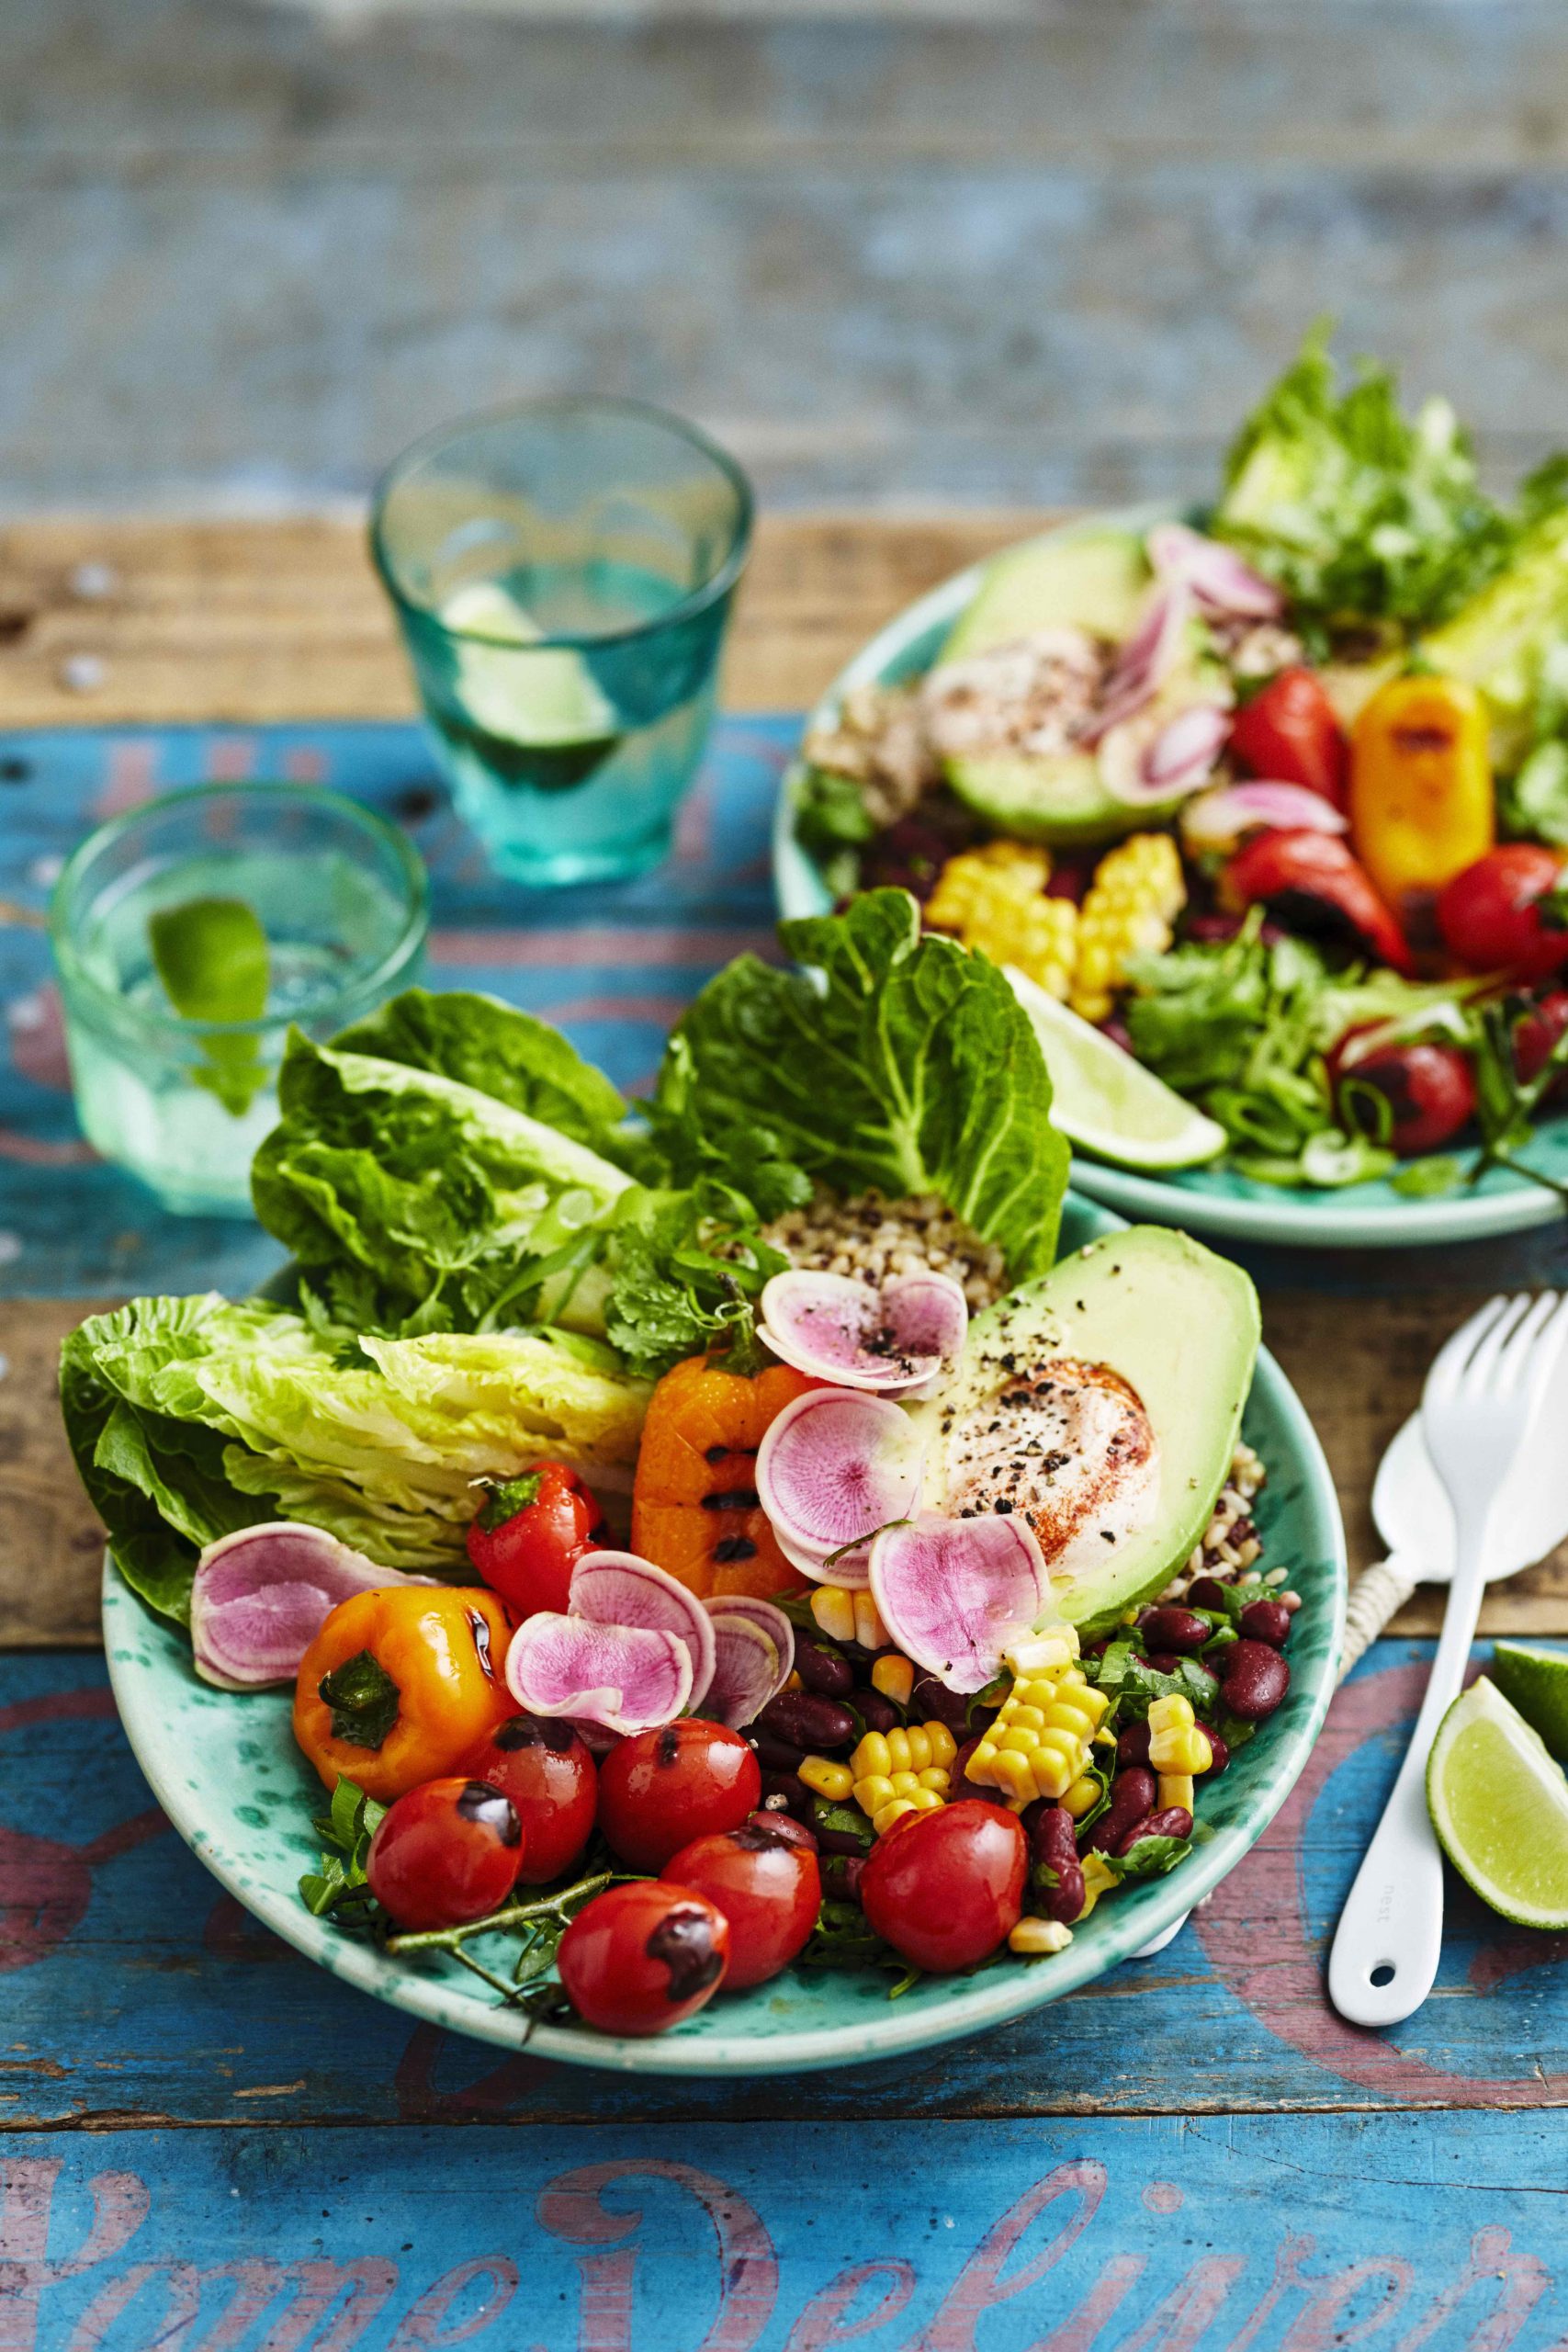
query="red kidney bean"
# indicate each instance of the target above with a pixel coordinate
(1133, 1745)
(813, 1723)
(876, 1712)
(1175, 1821)
(1170, 1627)
(1133, 1793)
(822, 1669)
(1257, 1678)
(1163, 1661)
(932, 1701)
(1207, 1592)
(785, 1824)
(796, 1795)
(1052, 1841)
(1265, 1620)
(777, 1755)
(1221, 1752)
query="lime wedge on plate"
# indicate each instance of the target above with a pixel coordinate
(1107, 1102)
(547, 701)
(1499, 1805)
(1536, 1680)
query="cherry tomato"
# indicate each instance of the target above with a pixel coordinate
(544, 1766)
(1430, 1090)
(1503, 915)
(1535, 1036)
(1291, 734)
(530, 1535)
(945, 1888)
(768, 1887)
(446, 1853)
(661, 1789)
(639, 1958)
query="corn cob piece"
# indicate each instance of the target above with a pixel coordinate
(1177, 1742)
(904, 1771)
(1039, 1744)
(993, 899)
(1032, 1936)
(1131, 905)
(1174, 1788)
(833, 1611)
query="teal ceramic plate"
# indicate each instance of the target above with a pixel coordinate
(225, 1769)
(1204, 1200)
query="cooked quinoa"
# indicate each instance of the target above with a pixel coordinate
(877, 1239)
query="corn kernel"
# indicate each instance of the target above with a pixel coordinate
(833, 1613)
(872, 1756)
(793, 1682)
(1032, 1936)
(894, 1810)
(820, 1773)
(870, 1632)
(994, 899)
(1098, 1878)
(1044, 1652)
(1128, 910)
(899, 1748)
(874, 1792)
(1202, 1750)
(1176, 1788)
(905, 1783)
(920, 1747)
(1171, 1714)
(1082, 1797)
(895, 1678)
(1069, 1719)
(945, 1747)
(935, 1776)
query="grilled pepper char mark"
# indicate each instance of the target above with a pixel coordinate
(694, 1508)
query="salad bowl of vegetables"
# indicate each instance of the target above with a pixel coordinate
(1266, 809)
(763, 1578)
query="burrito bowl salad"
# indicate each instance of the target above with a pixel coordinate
(1272, 799)
(717, 1534)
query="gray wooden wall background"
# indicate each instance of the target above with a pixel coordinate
(930, 253)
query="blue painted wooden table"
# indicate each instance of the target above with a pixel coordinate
(206, 2144)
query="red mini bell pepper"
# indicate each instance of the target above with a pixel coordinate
(1291, 734)
(1308, 877)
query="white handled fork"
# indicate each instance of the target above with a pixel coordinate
(1479, 1398)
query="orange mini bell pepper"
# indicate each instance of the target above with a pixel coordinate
(694, 1508)
(1422, 806)
(399, 1683)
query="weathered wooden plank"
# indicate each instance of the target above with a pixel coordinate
(1278, 2235)
(137, 1992)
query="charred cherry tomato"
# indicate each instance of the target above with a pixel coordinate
(641, 1958)
(1289, 734)
(530, 1535)
(446, 1852)
(399, 1683)
(1430, 1091)
(1313, 884)
(661, 1789)
(1508, 912)
(945, 1888)
(1536, 1034)
(544, 1766)
(768, 1887)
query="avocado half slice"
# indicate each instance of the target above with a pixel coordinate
(1103, 1403)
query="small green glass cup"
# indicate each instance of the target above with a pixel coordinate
(563, 572)
(343, 900)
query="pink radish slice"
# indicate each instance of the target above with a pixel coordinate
(837, 1465)
(852, 1568)
(1146, 659)
(953, 1592)
(620, 1589)
(1182, 755)
(745, 1675)
(839, 1329)
(1217, 820)
(767, 1620)
(628, 1677)
(1215, 573)
(262, 1594)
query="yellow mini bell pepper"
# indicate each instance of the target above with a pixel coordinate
(1421, 801)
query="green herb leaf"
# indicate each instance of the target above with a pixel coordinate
(211, 956)
(1151, 1857)
(340, 1887)
(363, 1698)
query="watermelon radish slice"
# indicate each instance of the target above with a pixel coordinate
(262, 1594)
(767, 1619)
(953, 1592)
(745, 1675)
(835, 1465)
(621, 1589)
(892, 1340)
(626, 1678)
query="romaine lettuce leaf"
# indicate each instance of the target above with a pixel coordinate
(895, 1062)
(1509, 638)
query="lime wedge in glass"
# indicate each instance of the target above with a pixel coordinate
(1499, 1805)
(1536, 1680)
(211, 956)
(1105, 1102)
(550, 701)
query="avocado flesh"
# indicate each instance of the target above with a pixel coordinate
(1179, 1327)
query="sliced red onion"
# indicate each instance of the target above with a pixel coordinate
(1145, 773)
(745, 1675)
(1215, 573)
(953, 1592)
(262, 1594)
(1217, 820)
(891, 1339)
(851, 1569)
(620, 1589)
(765, 1617)
(1144, 660)
(836, 1466)
(626, 1678)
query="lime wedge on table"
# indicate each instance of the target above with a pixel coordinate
(211, 956)
(1108, 1103)
(1536, 1680)
(1499, 1805)
(551, 699)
